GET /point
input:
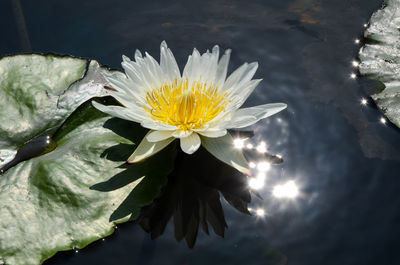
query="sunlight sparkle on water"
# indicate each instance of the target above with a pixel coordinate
(353, 76)
(357, 41)
(256, 183)
(287, 190)
(239, 143)
(261, 176)
(260, 212)
(262, 147)
(383, 120)
(355, 63)
(263, 166)
(364, 101)
(252, 165)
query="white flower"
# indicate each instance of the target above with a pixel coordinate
(197, 107)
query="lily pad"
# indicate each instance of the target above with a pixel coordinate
(53, 202)
(380, 58)
(37, 94)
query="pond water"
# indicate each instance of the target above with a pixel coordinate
(344, 161)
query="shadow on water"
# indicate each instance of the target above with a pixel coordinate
(190, 196)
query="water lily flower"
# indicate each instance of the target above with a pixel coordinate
(196, 107)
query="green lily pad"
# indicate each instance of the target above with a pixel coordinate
(380, 58)
(73, 194)
(37, 94)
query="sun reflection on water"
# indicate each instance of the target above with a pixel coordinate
(263, 166)
(260, 212)
(287, 190)
(239, 143)
(262, 147)
(256, 183)
(364, 101)
(265, 176)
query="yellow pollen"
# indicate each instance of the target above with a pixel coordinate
(184, 106)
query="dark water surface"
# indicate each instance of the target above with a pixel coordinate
(344, 161)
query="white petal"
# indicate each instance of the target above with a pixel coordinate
(205, 128)
(191, 68)
(209, 65)
(147, 149)
(188, 68)
(191, 143)
(120, 82)
(134, 74)
(151, 71)
(151, 124)
(223, 149)
(155, 68)
(146, 73)
(213, 133)
(156, 136)
(130, 101)
(223, 119)
(196, 65)
(248, 116)
(138, 55)
(249, 73)
(119, 112)
(127, 91)
(181, 133)
(241, 95)
(125, 58)
(222, 69)
(240, 77)
(168, 63)
(234, 77)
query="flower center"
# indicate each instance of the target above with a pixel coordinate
(184, 104)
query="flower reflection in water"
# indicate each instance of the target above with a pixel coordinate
(197, 189)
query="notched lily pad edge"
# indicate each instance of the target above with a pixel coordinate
(54, 130)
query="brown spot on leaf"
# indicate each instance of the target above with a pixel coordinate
(110, 88)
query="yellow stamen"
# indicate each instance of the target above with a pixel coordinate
(187, 106)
